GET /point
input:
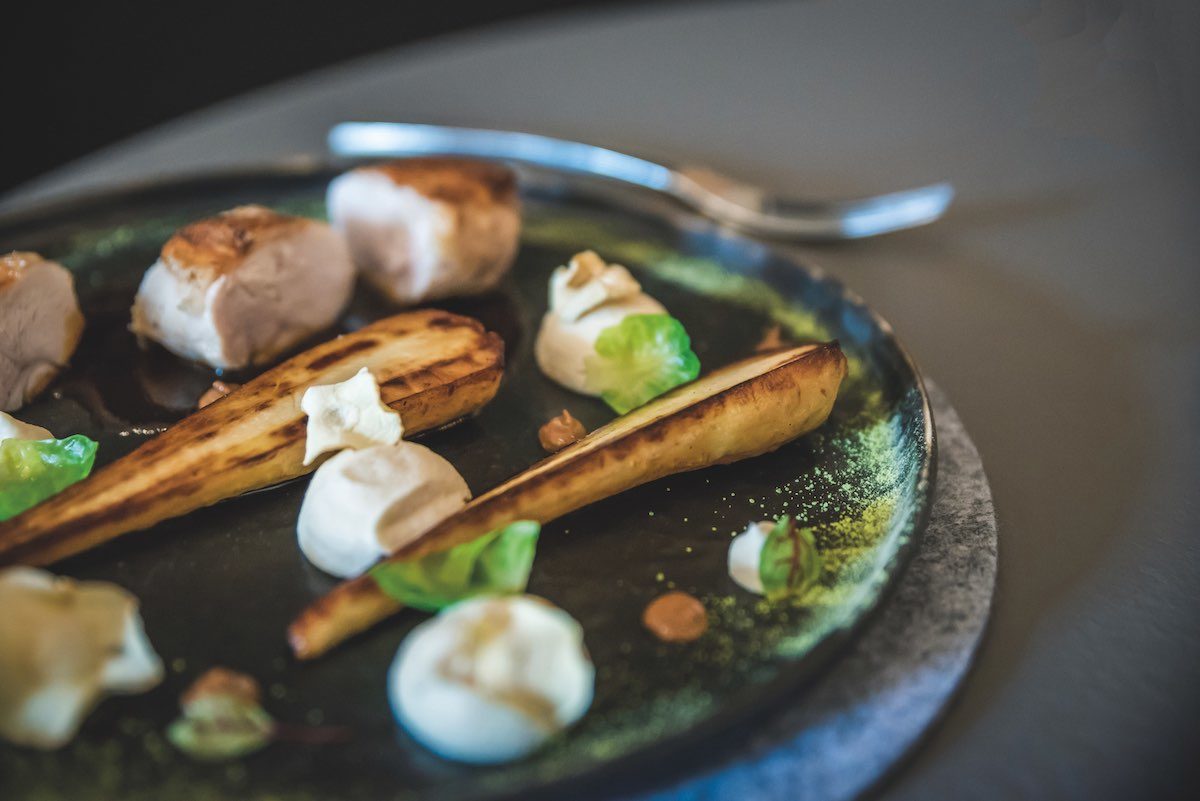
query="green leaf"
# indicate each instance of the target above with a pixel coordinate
(498, 562)
(639, 359)
(218, 727)
(33, 470)
(790, 563)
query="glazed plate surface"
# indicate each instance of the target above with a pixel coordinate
(219, 587)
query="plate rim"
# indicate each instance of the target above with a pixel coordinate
(600, 779)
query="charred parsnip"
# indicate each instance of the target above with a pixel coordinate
(743, 410)
(432, 366)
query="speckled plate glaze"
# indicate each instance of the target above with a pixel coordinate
(219, 587)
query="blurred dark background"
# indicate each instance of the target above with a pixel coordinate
(81, 75)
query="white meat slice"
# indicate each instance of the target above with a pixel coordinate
(64, 645)
(428, 228)
(242, 287)
(40, 325)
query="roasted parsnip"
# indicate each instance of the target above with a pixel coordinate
(432, 366)
(743, 410)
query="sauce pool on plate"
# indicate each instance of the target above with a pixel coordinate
(676, 617)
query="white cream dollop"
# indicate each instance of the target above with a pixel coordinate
(12, 428)
(586, 297)
(349, 414)
(63, 645)
(363, 504)
(587, 282)
(491, 679)
(745, 551)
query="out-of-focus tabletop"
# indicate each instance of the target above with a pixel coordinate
(1056, 303)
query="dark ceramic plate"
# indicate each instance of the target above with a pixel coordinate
(219, 587)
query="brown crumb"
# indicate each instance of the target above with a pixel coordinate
(560, 432)
(218, 390)
(676, 617)
(223, 681)
(772, 339)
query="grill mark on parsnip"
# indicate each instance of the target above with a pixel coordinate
(332, 358)
(746, 409)
(435, 367)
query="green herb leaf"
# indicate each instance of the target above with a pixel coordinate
(219, 727)
(639, 359)
(790, 563)
(498, 562)
(33, 470)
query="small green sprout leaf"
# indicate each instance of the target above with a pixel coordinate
(498, 562)
(33, 470)
(639, 359)
(790, 563)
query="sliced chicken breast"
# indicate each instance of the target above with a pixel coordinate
(242, 287)
(428, 228)
(40, 325)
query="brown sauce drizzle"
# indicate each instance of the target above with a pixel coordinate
(676, 617)
(561, 431)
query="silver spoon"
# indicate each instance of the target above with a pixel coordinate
(717, 197)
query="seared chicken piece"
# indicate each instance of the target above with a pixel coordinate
(244, 286)
(40, 325)
(428, 228)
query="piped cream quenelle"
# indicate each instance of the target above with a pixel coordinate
(363, 504)
(491, 679)
(586, 297)
(379, 492)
